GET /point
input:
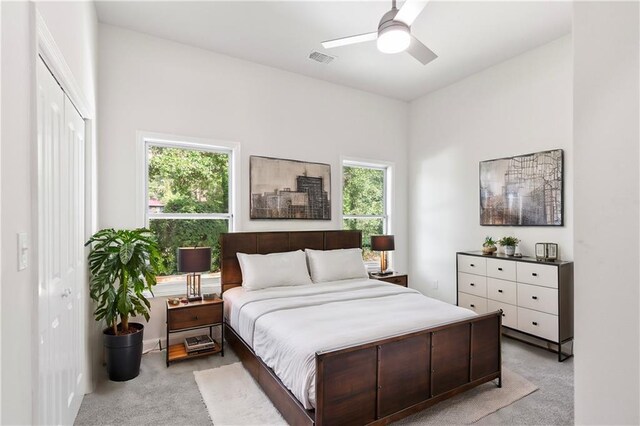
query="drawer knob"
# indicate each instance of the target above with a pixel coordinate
(472, 305)
(499, 291)
(195, 318)
(472, 265)
(499, 269)
(534, 297)
(472, 284)
(534, 323)
(534, 274)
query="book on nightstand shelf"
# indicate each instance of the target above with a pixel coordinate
(197, 344)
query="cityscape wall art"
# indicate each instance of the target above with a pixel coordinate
(526, 190)
(289, 189)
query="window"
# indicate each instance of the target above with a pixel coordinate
(187, 200)
(365, 202)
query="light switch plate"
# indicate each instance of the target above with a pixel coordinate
(23, 251)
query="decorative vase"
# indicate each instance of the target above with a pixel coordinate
(489, 250)
(509, 250)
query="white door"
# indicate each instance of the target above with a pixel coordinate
(61, 265)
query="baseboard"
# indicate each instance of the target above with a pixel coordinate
(152, 344)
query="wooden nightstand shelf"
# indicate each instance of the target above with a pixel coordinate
(394, 278)
(192, 316)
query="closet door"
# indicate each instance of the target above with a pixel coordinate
(61, 270)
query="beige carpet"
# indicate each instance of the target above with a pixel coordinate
(233, 398)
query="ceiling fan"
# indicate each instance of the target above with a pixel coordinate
(394, 33)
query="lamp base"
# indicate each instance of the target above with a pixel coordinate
(382, 274)
(194, 292)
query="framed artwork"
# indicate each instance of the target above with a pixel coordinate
(289, 189)
(526, 190)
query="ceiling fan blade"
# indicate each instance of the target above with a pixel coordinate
(349, 40)
(421, 52)
(410, 11)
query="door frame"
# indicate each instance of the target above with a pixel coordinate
(45, 47)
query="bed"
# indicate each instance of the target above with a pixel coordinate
(354, 351)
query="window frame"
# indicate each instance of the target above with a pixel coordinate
(387, 198)
(176, 284)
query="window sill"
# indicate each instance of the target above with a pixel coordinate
(178, 288)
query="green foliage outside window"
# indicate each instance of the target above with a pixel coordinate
(363, 195)
(187, 181)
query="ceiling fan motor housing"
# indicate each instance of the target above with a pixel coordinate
(387, 21)
(393, 36)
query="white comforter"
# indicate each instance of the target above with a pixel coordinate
(286, 326)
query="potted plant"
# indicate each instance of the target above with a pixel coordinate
(489, 246)
(509, 244)
(123, 264)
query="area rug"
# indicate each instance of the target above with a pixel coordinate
(232, 397)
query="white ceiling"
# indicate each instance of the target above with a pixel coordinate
(467, 36)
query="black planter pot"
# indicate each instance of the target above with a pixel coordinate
(123, 353)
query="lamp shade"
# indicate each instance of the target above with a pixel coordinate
(194, 259)
(382, 243)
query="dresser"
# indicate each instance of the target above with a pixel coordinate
(536, 298)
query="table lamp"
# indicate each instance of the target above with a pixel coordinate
(194, 260)
(383, 244)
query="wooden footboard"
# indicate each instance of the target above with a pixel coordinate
(383, 381)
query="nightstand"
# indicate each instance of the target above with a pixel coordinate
(192, 316)
(394, 278)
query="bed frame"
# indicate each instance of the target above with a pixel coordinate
(377, 382)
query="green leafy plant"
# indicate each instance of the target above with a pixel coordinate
(130, 257)
(489, 242)
(508, 241)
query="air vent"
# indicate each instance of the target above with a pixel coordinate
(321, 57)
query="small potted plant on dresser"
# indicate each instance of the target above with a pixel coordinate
(509, 244)
(489, 246)
(123, 264)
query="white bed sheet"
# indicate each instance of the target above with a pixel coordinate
(286, 326)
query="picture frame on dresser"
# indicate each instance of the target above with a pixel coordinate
(535, 297)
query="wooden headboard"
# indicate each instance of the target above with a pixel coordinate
(276, 242)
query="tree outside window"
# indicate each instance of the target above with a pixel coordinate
(187, 199)
(364, 204)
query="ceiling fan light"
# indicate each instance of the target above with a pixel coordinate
(394, 39)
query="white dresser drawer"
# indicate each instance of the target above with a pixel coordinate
(502, 269)
(533, 273)
(472, 284)
(472, 264)
(475, 303)
(509, 312)
(538, 323)
(502, 291)
(543, 299)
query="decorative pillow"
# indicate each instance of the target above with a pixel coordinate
(334, 265)
(273, 270)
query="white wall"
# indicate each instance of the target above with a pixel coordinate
(607, 160)
(520, 106)
(74, 26)
(16, 212)
(151, 84)
(74, 23)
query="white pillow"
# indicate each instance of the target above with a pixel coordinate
(273, 270)
(334, 265)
